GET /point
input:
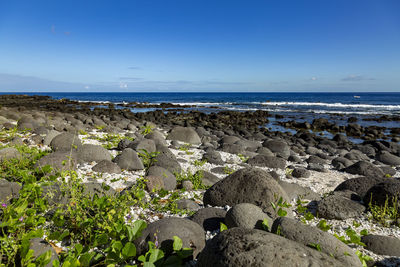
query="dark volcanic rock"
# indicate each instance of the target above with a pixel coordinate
(129, 160)
(338, 207)
(89, 153)
(213, 157)
(388, 158)
(9, 153)
(267, 161)
(306, 234)
(295, 191)
(59, 160)
(191, 233)
(207, 178)
(209, 218)
(377, 194)
(184, 134)
(247, 216)
(167, 162)
(250, 185)
(40, 246)
(106, 166)
(8, 190)
(279, 147)
(252, 247)
(359, 185)
(66, 142)
(301, 173)
(382, 245)
(169, 180)
(364, 168)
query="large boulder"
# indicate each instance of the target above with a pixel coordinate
(364, 168)
(106, 166)
(66, 142)
(252, 247)
(8, 190)
(249, 185)
(209, 218)
(184, 134)
(167, 178)
(247, 216)
(129, 160)
(359, 185)
(388, 158)
(278, 146)
(9, 153)
(306, 235)
(89, 153)
(191, 233)
(382, 245)
(142, 145)
(167, 162)
(267, 161)
(388, 190)
(339, 208)
(59, 160)
(213, 157)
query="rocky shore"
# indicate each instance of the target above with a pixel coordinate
(233, 191)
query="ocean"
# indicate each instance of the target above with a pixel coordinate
(298, 106)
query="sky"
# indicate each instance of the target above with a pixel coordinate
(200, 45)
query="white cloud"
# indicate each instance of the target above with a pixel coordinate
(355, 78)
(314, 78)
(87, 87)
(123, 85)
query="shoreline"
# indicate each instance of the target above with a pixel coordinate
(221, 144)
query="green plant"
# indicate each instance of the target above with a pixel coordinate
(351, 237)
(111, 140)
(148, 158)
(315, 246)
(196, 179)
(324, 226)
(363, 258)
(199, 163)
(146, 129)
(243, 158)
(265, 225)
(82, 132)
(228, 170)
(288, 171)
(279, 207)
(100, 127)
(222, 227)
(388, 214)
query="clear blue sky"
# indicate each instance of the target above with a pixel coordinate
(200, 45)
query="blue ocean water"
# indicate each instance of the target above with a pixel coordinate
(316, 103)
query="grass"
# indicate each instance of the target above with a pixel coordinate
(196, 179)
(386, 215)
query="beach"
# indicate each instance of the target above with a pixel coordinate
(188, 170)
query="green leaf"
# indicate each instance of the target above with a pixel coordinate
(282, 212)
(117, 246)
(101, 239)
(185, 252)
(265, 224)
(148, 264)
(85, 258)
(136, 230)
(177, 245)
(78, 249)
(222, 227)
(44, 258)
(156, 254)
(129, 250)
(56, 263)
(364, 232)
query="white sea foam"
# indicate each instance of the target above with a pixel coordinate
(338, 105)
